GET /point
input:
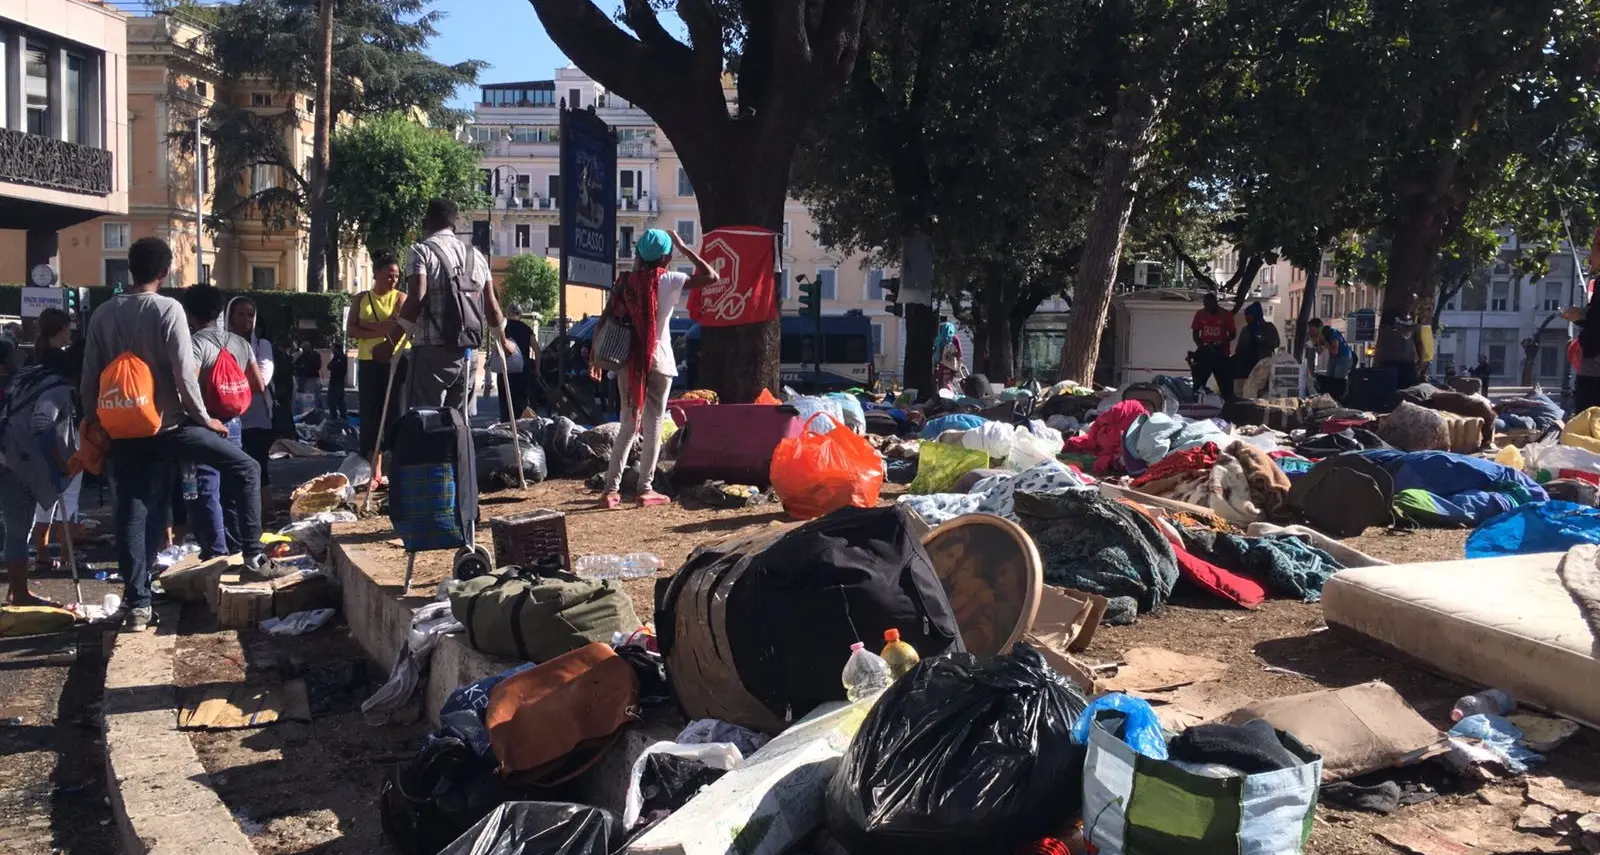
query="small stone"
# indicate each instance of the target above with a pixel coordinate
(1538, 819)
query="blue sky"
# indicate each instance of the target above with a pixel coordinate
(504, 33)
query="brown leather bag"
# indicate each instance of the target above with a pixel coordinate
(553, 721)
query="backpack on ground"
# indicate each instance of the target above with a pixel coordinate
(756, 630)
(550, 723)
(460, 309)
(539, 614)
(127, 404)
(226, 390)
(430, 800)
(1344, 495)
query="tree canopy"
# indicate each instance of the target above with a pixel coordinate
(533, 283)
(387, 168)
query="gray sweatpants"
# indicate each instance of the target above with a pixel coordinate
(437, 377)
(655, 406)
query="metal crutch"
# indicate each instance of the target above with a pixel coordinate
(72, 551)
(505, 384)
(383, 421)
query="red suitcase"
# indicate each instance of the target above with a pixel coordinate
(732, 443)
(679, 408)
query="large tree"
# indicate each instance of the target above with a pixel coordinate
(786, 58)
(380, 65)
(387, 168)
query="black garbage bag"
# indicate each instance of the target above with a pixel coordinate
(428, 801)
(540, 828)
(338, 435)
(959, 756)
(564, 455)
(496, 455)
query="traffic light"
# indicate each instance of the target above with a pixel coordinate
(70, 298)
(891, 291)
(811, 299)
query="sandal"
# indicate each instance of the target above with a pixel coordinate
(611, 501)
(32, 599)
(652, 499)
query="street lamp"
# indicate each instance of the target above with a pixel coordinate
(515, 175)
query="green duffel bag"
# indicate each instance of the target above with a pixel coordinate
(537, 616)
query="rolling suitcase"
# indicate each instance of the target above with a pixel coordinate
(732, 443)
(433, 488)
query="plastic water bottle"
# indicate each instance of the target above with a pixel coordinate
(900, 655)
(1486, 702)
(191, 481)
(111, 603)
(866, 674)
(634, 565)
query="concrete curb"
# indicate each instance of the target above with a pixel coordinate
(161, 796)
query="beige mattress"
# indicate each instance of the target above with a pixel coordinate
(1502, 622)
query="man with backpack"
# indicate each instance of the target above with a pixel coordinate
(450, 306)
(140, 378)
(229, 378)
(38, 435)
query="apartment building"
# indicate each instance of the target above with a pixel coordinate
(518, 126)
(63, 128)
(171, 82)
(1498, 309)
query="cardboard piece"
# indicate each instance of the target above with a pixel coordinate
(302, 592)
(241, 605)
(1186, 706)
(195, 581)
(233, 706)
(1357, 729)
(1415, 837)
(1564, 796)
(1149, 669)
(1067, 618)
(1067, 666)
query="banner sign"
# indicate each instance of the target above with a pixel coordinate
(746, 292)
(588, 199)
(36, 300)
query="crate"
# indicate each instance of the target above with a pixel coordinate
(523, 539)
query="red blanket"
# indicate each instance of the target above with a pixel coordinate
(1104, 438)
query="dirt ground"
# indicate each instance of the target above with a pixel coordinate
(288, 813)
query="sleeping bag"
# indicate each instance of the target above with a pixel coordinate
(1448, 489)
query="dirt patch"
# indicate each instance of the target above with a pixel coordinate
(294, 787)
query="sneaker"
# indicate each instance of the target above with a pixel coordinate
(140, 619)
(266, 568)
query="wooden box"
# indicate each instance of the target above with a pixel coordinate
(241, 605)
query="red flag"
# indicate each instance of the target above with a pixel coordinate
(745, 258)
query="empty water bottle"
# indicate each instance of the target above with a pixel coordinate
(1487, 702)
(634, 565)
(866, 674)
(191, 481)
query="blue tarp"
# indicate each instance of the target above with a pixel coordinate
(1553, 526)
(1471, 488)
(953, 421)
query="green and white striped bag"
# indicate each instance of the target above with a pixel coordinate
(1134, 805)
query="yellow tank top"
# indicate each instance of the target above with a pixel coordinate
(373, 308)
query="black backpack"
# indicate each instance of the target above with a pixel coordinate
(799, 603)
(460, 310)
(427, 802)
(1344, 495)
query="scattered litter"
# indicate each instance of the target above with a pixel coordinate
(233, 706)
(175, 553)
(1357, 729)
(1543, 733)
(298, 623)
(1149, 669)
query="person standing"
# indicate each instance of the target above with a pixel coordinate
(213, 514)
(949, 366)
(1482, 371)
(259, 433)
(1257, 341)
(1341, 359)
(308, 372)
(338, 373)
(450, 309)
(1586, 387)
(372, 318)
(520, 334)
(38, 435)
(51, 349)
(1213, 331)
(646, 297)
(150, 330)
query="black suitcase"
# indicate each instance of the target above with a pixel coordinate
(1375, 389)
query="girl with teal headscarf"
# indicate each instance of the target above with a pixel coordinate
(949, 366)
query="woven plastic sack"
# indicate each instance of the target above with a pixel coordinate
(940, 465)
(817, 473)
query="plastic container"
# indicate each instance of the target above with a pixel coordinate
(1510, 456)
(1486, 702)
(866, 674)
(634, 565)
(900, 655)
(111, 603)
(191, 481)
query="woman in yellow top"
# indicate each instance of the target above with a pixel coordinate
(371, 318)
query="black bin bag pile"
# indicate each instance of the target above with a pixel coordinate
(962, 756)
(540, 828)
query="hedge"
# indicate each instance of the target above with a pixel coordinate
(278, 311)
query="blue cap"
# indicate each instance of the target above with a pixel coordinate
(653, 245)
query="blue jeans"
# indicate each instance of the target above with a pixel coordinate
(146, 473)
(214, 515)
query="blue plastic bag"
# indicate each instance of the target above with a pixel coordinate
(1500, 736)
(1140, 727)
(1553, 526)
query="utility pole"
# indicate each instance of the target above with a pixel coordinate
(199, 195)
(316, 265)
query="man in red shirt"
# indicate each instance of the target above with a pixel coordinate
(1213, 331)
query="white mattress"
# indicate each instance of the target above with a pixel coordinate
(1502, 622)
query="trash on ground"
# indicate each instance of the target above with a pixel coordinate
(231, 706)
(1151, 669)
(298, 623)
(1357, 729)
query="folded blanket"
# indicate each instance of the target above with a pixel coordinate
(1269, 486)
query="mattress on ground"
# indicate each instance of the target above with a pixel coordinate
(1503, 622)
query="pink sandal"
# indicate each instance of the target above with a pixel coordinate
(611, 501)
(652, 499)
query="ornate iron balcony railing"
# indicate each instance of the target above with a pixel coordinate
(56, 164)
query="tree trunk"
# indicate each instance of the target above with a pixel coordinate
(1413, 270)
(998, 294)
(317, 262)
(1302, 318)
(922, 322)
(1128, 149)
(737, 362)
(333, 251)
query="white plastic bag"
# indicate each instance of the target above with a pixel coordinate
(995, 438)
(717, 755)
(1029, 449)
(1546, 462)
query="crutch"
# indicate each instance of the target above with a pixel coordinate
(72, 551)
(383, 421)
(505, 384)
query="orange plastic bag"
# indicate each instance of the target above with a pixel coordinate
(818, 473)
(766, 397)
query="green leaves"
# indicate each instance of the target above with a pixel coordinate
(532, 282)
(387, 168)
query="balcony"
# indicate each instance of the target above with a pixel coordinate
(636, 148)
(647, 205)
(54, 164)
